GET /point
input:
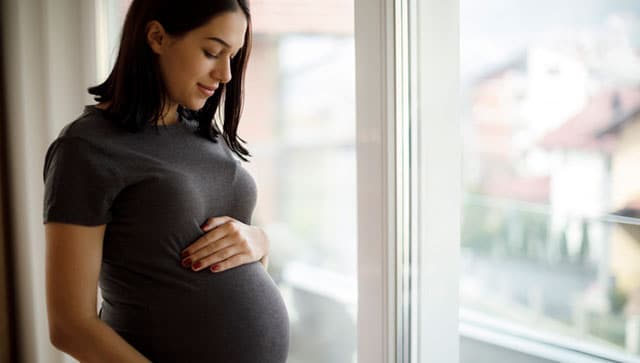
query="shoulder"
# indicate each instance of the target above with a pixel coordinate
(90, 138)
(91, 127)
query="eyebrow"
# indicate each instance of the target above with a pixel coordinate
(220, 41)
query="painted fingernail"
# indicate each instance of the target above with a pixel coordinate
(215, 268)
(203, 225)
(184, 254)
(196, 265)
(186, 263)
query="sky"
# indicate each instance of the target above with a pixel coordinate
(493, 30)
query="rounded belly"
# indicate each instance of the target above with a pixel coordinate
(237, 315)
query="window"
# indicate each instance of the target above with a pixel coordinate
(300, 120)
(550, 247)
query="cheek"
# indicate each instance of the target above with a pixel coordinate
(178, 75)
(190, 70)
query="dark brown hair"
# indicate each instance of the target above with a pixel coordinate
(135, 88)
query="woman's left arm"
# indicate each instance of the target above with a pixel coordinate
(227, 243)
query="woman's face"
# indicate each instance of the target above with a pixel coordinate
(195, 64)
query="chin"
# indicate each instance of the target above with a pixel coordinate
(195, 105)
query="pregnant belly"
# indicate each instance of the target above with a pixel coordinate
(236, 315)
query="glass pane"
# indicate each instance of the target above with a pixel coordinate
(299, 122)
(551, 215)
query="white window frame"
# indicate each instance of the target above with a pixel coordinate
(440, 178)
(374, 46)
(379, 63)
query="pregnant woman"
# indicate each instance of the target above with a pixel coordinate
(145, 198)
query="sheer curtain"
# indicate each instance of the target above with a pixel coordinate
(48, 62)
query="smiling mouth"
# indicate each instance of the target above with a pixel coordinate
(207, 90)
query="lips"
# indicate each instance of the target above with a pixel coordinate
(207, 90)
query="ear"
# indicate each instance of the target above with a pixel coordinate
(156, 36)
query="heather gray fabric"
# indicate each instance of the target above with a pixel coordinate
(153, 190)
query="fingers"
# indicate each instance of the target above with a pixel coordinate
(214, 222)
(205, 240)
(224, 259)
(226, 246)
(214, 249)
(230, 263)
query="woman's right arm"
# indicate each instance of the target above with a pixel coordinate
(73, 260)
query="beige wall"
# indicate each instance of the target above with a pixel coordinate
(625, 182)
(625, 187)
(625, 254)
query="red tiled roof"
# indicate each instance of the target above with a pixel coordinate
(581, 130)
(531, 189)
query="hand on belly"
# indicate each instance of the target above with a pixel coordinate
(226, 243)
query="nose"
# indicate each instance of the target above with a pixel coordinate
(222, 70)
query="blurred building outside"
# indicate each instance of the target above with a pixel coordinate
(547, 174)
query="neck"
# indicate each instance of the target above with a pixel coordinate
(169, 115)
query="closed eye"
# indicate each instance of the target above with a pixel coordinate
(209, 55)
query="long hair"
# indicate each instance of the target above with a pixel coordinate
(135, 87)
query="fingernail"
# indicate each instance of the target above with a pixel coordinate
(203, 225)
(196, 265)
(184, 254)
(186, 263)
(215, 267)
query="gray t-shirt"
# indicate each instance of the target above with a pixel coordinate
(153, 190)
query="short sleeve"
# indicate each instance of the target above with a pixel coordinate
(80, 183)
